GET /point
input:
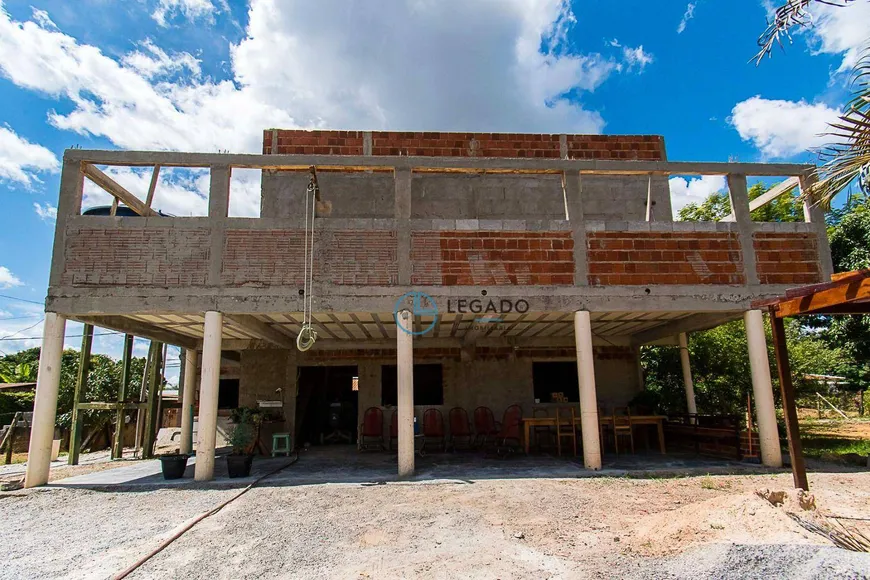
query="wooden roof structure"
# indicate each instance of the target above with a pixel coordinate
(846, 293)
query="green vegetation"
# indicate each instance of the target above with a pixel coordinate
(104, 380)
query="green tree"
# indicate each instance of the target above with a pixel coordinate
(785, 208)
(104, 380)
(849, 235)
(720, 367)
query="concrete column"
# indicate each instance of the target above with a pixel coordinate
(188, 398)
(588, 398)
(208, 397)
(687, 374)
(45, 404)
(762, 389)
(405, 391)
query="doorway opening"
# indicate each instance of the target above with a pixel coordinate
(327, 405)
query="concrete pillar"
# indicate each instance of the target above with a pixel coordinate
(405, 391)
(762, 389)
(45, 404)
(687, 374)
(188, 399)
(208, 397)
(588, 399)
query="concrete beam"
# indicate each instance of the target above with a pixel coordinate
(694, 323)
(260, 329)
(437, 164)
(75, 301)
(136, 328)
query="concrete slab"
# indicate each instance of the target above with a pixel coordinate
(345, 465)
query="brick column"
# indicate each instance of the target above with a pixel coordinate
(573, 190)
(403, 224)
(218, 209)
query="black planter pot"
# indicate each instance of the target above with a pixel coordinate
(239, 465)
(173, 465)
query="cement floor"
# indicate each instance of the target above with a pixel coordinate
(346, 465)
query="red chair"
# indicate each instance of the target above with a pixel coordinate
(460, 429)
(433, 430)
(485, 426)
(394, 429)
(509, 439)
(371, 431)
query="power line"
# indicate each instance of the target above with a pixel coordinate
(23, 329)
(20, 317)
(21, 299)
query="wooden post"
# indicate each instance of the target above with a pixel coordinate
(10, 438)
(75, 437)
(126, 361)
(153, 394)
(140, 413)
(789, 411)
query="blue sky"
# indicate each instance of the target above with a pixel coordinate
(209, 75)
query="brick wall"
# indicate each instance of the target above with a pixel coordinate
(649, 258)
(459, 258)
(438, 144)
(165, 257)
(787, 258)
(275, 257)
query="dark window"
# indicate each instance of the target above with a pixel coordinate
(555, 377)
(428, 389)
(228, 394)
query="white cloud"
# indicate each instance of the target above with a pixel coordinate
(694, 190)
(41, 17)
(8, 279)
(21, 160)
(155, 62)
(463, 66)
(688, 15)
(188, 9)
(636, 58)
(841, 30)
(782, 128)
(45, 212)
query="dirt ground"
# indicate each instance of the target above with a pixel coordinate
(692, 527)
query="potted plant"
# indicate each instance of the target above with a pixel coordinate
(242, 438)
(173, 465)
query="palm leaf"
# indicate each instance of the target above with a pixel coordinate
(792, 14)
(849, 150)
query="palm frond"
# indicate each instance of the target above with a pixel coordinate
(792, 14)
(849, 150)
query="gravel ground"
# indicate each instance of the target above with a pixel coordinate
(693, 527)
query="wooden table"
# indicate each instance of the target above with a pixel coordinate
(529, 422)
(657, 420)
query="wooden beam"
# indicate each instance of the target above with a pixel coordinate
(154, 386)
(75, 437)
(130, 326)
(774, 192)
(126, 361)
(104, 406)
(152, 187)
(362, 163)
(114, 188)
(789, 411)
(260, 329)
(836, 296)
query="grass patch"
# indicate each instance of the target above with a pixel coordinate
(817, 446)
(719, 485)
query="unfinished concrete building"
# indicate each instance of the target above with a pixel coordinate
(488, 262)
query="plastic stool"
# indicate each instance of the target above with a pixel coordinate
(284, 440)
